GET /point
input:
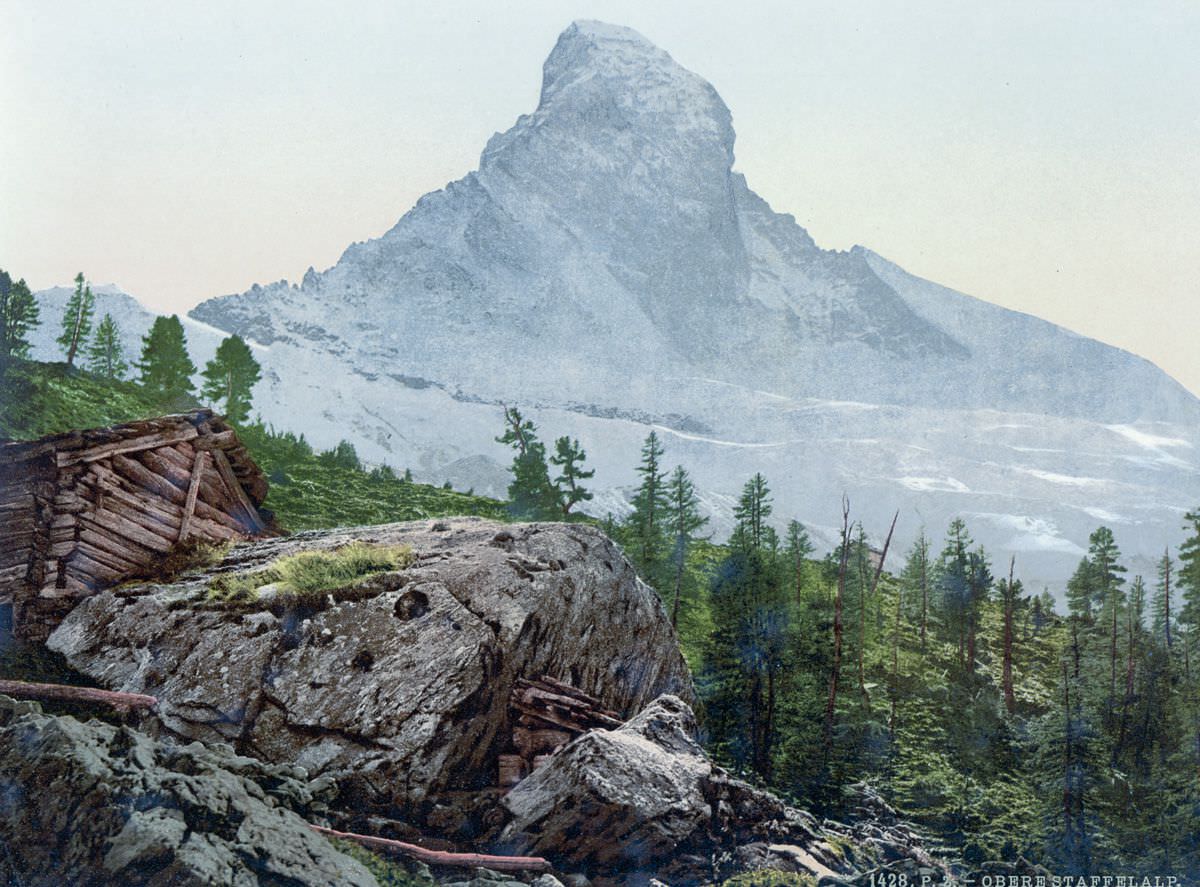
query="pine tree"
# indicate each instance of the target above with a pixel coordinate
(106, 355)
(165, 368)
(683, 520)
(230, 377)
(18, 315)
(569, 458)
(647, 531)
(531, 494)
(77, 319)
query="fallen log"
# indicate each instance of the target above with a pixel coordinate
(441, 857)
(64, 693)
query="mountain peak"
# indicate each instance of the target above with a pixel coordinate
(615, 69)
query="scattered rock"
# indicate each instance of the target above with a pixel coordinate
(90, 803)
(645, 800)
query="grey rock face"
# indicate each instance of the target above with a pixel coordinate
(644, 800)
(92, 804)
(397, 688)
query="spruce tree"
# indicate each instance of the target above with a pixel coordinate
(751, 513)
(230, 377)
(683, 520)
(77, 319)
(165, 368)
(569, 458)
(106, 355)
(914, 583)
(647, 531)
(18, 315)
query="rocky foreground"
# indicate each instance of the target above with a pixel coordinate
(382, 707)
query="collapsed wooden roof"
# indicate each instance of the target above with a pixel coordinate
(85, 510)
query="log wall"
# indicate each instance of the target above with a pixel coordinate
(90, 509)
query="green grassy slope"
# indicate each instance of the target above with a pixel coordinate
(306, 491)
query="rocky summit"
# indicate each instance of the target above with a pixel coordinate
(607, 269)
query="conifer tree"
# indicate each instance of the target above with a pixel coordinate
(684, 521)
(751, 513)
(798, 546)
(531, 494)
(647, 526)
(106, 355)
(230, 377)
(914, 581)
(77, 319)
(569, 458)
(165, 368)
(1162, 600)
(18, 316)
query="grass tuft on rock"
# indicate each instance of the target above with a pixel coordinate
(306, 578)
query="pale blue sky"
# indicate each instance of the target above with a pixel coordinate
(1045, 156)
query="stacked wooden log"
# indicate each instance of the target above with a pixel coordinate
(88, 509)
(546, 714)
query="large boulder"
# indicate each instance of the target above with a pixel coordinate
(397, 687)
(645, 801)
(91, 804)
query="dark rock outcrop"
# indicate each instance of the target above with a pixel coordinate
(645, 801)
(398, 686)
(91, 804)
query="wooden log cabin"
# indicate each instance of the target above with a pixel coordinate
(86, 510)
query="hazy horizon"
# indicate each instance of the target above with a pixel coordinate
(1039, 158)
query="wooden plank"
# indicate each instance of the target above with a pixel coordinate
(176, 458)
(122, 525)
(145, 479)
(15, 573)
(92, 571)
(120, 553)
(189, 507)
(119, 565)
(218, 440)
(235, 488)
(124, 447)
(164, 467)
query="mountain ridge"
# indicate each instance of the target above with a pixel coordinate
(607, 267)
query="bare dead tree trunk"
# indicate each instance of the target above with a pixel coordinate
(441, 857)
(64, 693)
(831, 704)
(862, 639)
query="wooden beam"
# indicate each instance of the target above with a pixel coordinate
(134, 445)
(63, 693)
(236, 489)
(440, 857)
(189, 507)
